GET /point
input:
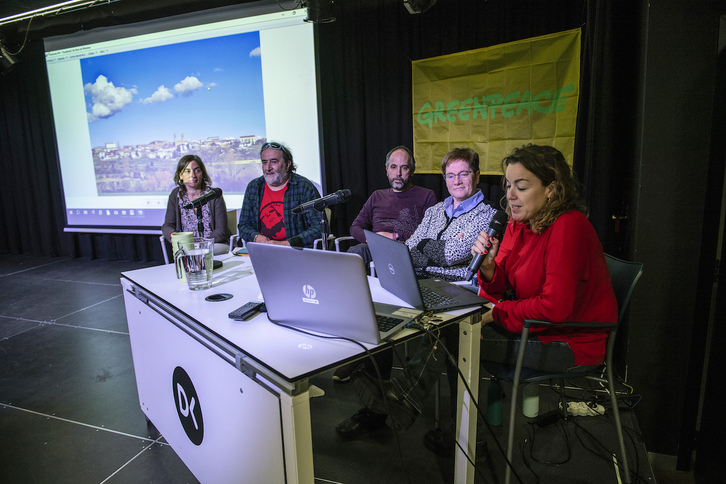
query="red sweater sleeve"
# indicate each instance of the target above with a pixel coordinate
(494, 290)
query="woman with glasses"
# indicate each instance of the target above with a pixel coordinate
(441, 245)
(192, 181)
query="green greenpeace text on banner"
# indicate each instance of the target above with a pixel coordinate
(496, 99)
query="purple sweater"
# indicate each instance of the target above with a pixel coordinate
(389, 211)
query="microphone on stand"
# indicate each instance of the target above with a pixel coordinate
(496, 226)
(212, 194)
(321, 204)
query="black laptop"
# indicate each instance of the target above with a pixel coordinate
(396, 274)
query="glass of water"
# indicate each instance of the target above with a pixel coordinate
(195, 259)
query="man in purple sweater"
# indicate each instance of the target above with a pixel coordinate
(393, 212)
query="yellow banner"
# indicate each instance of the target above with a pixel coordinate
(495, 99)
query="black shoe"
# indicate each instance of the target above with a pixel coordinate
(383, 397)
(363, 421)
(442, 442)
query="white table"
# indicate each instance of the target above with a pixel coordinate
(232, 398)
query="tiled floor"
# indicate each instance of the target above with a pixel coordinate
(69, 411)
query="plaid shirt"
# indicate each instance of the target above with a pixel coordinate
(302, 228)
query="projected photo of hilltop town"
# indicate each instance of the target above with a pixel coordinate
(148, 108)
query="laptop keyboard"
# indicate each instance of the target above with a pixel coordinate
(386, 323)
(432, 299)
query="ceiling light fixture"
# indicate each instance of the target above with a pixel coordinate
(56, 9)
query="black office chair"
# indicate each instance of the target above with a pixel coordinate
(624, 276)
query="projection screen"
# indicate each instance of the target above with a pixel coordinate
(128, 102)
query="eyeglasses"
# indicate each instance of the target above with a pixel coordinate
(274, 146)
(454, 176)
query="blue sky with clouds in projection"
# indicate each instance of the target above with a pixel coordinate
(200, 89)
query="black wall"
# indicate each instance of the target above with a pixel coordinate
(678, 189)
(645, 151)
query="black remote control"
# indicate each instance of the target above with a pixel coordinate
(248, 311)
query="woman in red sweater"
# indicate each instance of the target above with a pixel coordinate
(550, 266)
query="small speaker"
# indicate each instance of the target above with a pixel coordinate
(418, 6)
(7, 61)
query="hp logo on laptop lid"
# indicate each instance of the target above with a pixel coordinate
(310, 294)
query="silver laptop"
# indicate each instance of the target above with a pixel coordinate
(323, 291)
(396, 274)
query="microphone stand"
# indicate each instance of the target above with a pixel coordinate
(200, 227)
(200, 224)
(198, 212)
(324, 229)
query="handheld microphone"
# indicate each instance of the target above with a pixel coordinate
(321, 204)
(496, 227)
(212, 194)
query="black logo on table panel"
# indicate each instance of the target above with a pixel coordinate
(187, 405)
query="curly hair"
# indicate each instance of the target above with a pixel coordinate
(181, 166)
(549, 166)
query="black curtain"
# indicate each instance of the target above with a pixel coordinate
(607, 134)
(31, 218)
(365, 91)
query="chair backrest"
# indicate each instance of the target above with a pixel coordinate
(232, 219)
(331, 237)
(624, 275)
(491, 187)
(164, 250)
